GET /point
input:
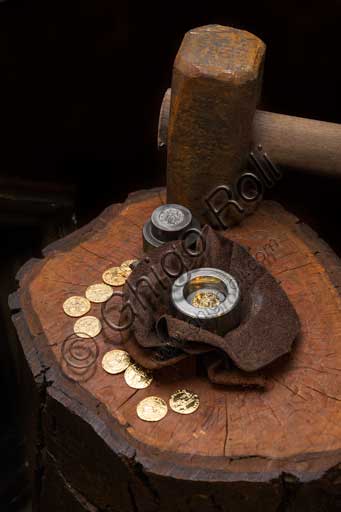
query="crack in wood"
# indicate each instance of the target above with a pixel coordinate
(227, 427)
(61, 278)
(62, 282)
(296, 393)
(83, 246)
(323, 393)
(132, 499)
(85, 264)
(126, 400)
(311, 368)
(78, 496)
(290, 269)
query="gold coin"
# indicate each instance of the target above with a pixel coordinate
(137, 377)
(125, 267)
(152, 408)
(127, 263)
(184, 402)
(99, 292)
(76, 306)
(125, 271)
(88, 326)
(205, 300)
(114, 276)
(115, 361)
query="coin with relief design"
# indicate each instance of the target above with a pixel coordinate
(116, 361)
(205, 299)
(184, 401)
(152, 408)
(137, 377)
(126, 268)
(87, 327)
(76, 306)
(99, 292)
(114, 276)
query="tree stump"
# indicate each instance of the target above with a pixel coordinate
(278, 450)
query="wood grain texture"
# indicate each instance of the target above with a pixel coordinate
(273, 451)
(304, 144)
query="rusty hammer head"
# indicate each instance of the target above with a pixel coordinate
(215, 88)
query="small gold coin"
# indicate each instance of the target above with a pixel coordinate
(87, 326)
(126, 271)
(114, 276)
(152, 408)
(76, 306)
(125, 267)
(184, 402)
(137, 377)
(99, 292)
(115, 361)
(205, 300)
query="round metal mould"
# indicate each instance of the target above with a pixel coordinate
(169, 222)
(220, 318)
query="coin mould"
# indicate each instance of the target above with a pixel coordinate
(220, 319)
(156, 233)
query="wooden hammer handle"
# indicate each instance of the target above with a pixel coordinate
(298, 143)
(303, 144)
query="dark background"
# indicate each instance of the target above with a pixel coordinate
(81, 85)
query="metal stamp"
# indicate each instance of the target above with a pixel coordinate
(168, 222)
(209, 298)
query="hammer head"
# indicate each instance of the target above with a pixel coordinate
(215, 88)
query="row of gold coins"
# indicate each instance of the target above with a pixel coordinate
(78, 306)
(152, 408)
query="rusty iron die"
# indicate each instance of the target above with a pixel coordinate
(168, 222)
(220, 317)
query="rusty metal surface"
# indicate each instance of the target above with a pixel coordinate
(215, 88)
(307, 145)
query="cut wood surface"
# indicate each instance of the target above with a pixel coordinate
(239, 443)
